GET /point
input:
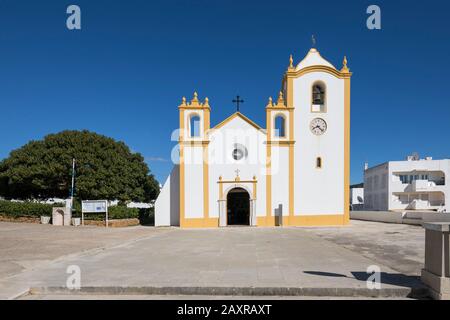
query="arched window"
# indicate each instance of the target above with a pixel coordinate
(319, 163)
(318, 97)
(194, 126)
(280, 126)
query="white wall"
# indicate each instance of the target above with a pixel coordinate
(376, 187)
(319, 191)
(220, 149)
(167, 205)
(193, 181)
(280, 181)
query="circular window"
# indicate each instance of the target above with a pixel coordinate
(239, 152)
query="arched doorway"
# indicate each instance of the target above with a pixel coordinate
(238, 207)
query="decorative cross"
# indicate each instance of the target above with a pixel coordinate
(238, 101)
(313, 39)
(237, 172)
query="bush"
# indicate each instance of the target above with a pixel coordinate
(25, 209)
(32, 209)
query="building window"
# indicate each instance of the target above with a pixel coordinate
(194, 126)
(239, 152)
(319, 163)
(318, 97)
(280, 126)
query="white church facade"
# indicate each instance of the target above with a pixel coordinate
(293, 172)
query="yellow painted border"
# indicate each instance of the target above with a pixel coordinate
(268, 165)
(237, 115)
(326, 69)
(346, 150)
(201, 223)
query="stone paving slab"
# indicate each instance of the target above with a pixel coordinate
(399, 246)
(270, 258)
(24, 246)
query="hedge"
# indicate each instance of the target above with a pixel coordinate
(32, 209)
(25, 209)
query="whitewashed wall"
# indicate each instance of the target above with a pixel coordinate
(319, 191)
(222, 163)
(167, 205)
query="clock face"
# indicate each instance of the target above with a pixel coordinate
(318, 126)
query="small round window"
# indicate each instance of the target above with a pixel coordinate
(239, 152)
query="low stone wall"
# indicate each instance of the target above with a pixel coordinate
(4, 218)
(119, 223)
(413, 218)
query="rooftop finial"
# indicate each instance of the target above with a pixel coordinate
(195, 99)
(344, 65)
(291, 62)
(183, 101)
(280, 97)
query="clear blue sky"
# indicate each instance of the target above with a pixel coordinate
(123, 75)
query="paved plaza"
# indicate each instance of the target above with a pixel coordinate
(326, 262)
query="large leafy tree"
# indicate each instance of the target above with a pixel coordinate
(105, 169)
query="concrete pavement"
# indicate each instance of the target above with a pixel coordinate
(399, 246)
(24, 246)
(230, 261)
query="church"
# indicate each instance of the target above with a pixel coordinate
(293, 172)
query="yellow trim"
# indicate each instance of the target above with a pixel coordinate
(269, 164)
(195, 104)
(200, 223)
(254, 189)
(236, 181)
(181, 147)
(220, 189)
(302, 221)
(314, 220)
(281, 143)
(290, 105)
(347, 151)
(194, 143)
(326, 69)
(240, 115)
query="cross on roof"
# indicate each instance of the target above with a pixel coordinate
(238, 101)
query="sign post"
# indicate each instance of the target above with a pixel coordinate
(94, 206)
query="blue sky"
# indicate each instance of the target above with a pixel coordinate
(124, 73)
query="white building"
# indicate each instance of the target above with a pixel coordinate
(357, 196)
(293, 172)
(414, 184)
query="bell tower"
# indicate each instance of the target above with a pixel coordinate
(194, 170)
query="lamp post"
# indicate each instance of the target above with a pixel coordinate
(73, 183)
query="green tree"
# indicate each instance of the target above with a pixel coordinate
(105, 169)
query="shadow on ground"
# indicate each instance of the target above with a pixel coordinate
(396, 279)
